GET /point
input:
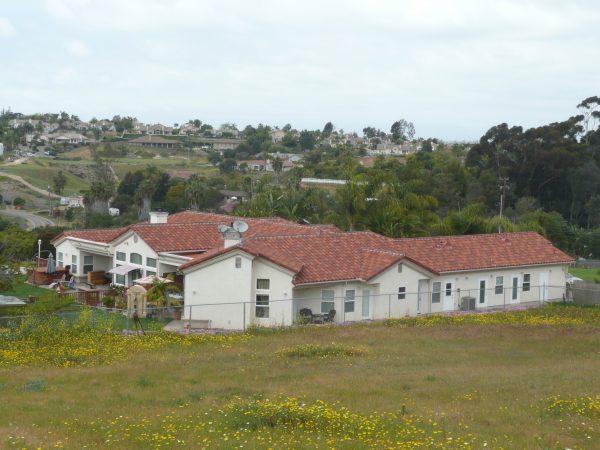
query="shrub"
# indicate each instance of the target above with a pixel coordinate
(108, 302)
(18, 202)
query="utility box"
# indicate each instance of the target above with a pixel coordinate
(467, 303)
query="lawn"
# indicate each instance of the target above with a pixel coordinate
(591, 275)
(22, 289)
(518, 380)
(40, 174)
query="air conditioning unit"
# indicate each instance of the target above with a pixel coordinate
(467, 303)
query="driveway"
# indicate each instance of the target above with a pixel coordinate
(33, 220)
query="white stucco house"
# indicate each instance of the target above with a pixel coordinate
(265, 275)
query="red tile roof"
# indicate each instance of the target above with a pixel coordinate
(196, 231)
(317, 253)
(363, 255)
(101, 235)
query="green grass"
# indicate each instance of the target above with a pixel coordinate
(591, 275)
(40, 174)
(494, 382)
(22, 290)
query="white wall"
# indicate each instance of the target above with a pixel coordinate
(68, 249)
(310, 297)
(281, 308)
(216, 291)
(211, 289)
(129, 246)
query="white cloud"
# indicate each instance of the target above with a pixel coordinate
(78, 48)
(6, 28)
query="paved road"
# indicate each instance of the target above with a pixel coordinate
(27, 184)
(33, 221)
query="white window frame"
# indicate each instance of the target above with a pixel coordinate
(74, 264)
(349, 301)
(265, 281)
(131, 255)
(120, 279)
(60, 257)
(526, 283)
(326, 300)
(402, 293)
(263, 297)
(436, 292)
(499, 288)
(238, 262)
(153, 264)
(121, 253)
(263, 307)
(88, 267)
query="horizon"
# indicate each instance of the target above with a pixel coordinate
(455, 69)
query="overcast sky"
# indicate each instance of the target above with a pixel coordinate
(452, 67)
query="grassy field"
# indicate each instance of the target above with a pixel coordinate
(591, 275)
(464, 383)
(40, 174)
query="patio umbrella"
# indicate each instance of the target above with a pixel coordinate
(151, 278)
(50, 268)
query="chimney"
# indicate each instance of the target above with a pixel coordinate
(158, 216)
(231, 238)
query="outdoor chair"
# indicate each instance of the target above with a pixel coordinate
(306, 315)
(329, 316)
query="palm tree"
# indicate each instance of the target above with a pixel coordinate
(195, 191)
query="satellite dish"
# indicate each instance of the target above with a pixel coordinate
(223, 228)
(240, 226)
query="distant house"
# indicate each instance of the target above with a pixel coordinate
(261, 165)
(66, 138)
(152, 141)
(277, 136)
(72, 202)
(156, 129)
(228, 131)
(16, 123)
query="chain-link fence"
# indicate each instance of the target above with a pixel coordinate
(357, 304)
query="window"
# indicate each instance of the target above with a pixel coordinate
(349, 301)
(121, 256)
(481, 292)
(88, 263)
(135, 274)
(238, 262)
(74, 264)
(526, 282)
(262, 306)
(448, 289)
(59, 259)
(120, 279)
(135, 258)
(436, 292)
(150, 273)
(499, 285)
(401, 293)
(400, 268)
(263, 284)
(151, 262)
(327, 300)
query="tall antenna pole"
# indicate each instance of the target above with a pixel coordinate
(502, 187)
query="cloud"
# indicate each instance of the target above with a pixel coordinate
(6, 28)
(78, 48)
